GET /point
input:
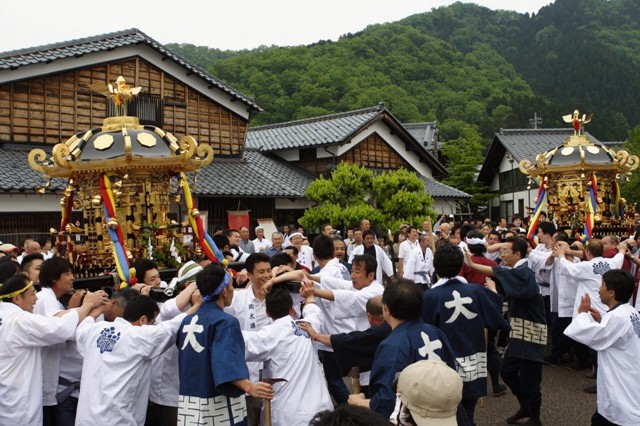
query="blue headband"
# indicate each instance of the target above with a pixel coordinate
(222, 286)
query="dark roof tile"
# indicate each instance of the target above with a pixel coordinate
(106, 42)
(254, 175)
(440, 190)
(317, 131)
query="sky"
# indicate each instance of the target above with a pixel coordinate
(233, 25)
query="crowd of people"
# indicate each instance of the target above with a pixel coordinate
(364, 327)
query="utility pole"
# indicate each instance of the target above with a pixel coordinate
(535, 120)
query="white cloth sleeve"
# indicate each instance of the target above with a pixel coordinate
(597, 335)
(38, 331)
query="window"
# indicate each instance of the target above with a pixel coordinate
(148, 109)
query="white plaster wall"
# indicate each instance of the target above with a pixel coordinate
(29, 203)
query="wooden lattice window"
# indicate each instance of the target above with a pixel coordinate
(148, 108)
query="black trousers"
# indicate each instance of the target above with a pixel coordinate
(337, 388)
(598, 420)
(161, 415)
(560, 343)
(524, 378)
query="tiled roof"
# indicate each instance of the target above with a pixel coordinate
(254, 175)
(15, 59)
(440, 190)
(17, 175)
(528, 143)
(317, 131)
(522, 144)
(425, 133)
(331, 130)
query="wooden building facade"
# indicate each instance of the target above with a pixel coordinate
(51, 108)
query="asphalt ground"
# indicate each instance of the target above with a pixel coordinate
(564, 402)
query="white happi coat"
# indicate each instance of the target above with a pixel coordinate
(165, 383)
(48, 305)
(418, 266)
(537, 262)
(384, 263)
(288, 352)
(566, 289)
(251, 313)
(117, 367)
(350, 305)
(22, 335)
(305, 257)
(617, 339)
(331, 279)
(589, 275)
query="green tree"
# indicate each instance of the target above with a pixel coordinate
(630, 190)
(465, 155)
(353, 193)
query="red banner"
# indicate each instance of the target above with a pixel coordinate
(238, 219)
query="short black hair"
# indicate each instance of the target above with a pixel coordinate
(142, 266)
(278, 303)
(231, 231)
(370, 263)
(258, 258)
(280, 259)
(562, 236)
(26, 260)
(8, 268)
(294, 249)
(621, 282)
(368, 232)
(465, 229)
(518, 245)
(138, 306)
(403, 298)
(52, 269)
(547, 228)
(349, 415)
(43, 239)
(448, 260)
(496, 233)
(323, 247)
(12, 284)
(209, 279)
(221, 240)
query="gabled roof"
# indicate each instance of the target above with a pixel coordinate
(425, 133)
(254, 175)
(440, 190)
(522, 144)
(334, 129)
(15, 59)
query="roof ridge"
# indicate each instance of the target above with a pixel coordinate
(421, 123)
(537, 131)
(379, 107)
(72, 42)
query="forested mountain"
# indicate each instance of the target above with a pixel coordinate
(464, 65)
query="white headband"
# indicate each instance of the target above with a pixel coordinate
(475, 241)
